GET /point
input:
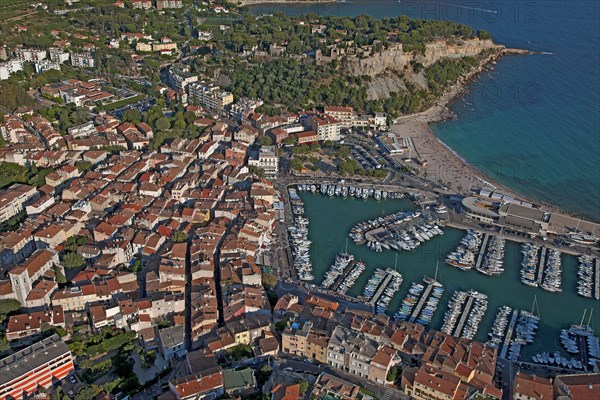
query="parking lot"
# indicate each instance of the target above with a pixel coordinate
(367, 153)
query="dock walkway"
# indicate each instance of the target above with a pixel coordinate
(597, 279)
(384, 284)
(464, 316)
(541, 265)
(482, 251)
(421, 303)
(343, 275)
(509, 333)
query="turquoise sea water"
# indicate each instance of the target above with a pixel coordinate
(533, 123)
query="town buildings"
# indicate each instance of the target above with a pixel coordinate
(162, 4)
(428, 383)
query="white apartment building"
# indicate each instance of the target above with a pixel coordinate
(178, 79)
(29, 55)
(83, 60)
(267, 160)
(58, 55)
(10, 67)
(45, 65)
(326, 127)
(209, 96)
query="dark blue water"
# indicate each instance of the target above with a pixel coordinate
(533, 123)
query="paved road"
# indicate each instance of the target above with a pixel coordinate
(383, 392)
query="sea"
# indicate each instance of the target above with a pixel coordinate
(533, 122)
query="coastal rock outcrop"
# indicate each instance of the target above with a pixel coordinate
(396, 59)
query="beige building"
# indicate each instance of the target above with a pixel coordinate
(143, 46)
(13, 200)
(381, 364)
(428, 383)
(295, 340)
(326, 127)
(532, 387)
(159, 46)
(74, 298)
(345, 115)
(316, 347)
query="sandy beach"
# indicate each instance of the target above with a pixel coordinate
(443, 164)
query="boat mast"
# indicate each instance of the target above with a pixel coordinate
(590, 318)
(396, 263)
(535, 306)
(437, 264)
(583, 317)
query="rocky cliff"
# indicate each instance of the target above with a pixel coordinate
(396, 60)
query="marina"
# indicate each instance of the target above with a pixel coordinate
(541, 267)
(428, 303)
(552, 273)
(347, 281)
(509, 333)
(493, 260)
(341, 190)
(588, 272)
(541, 260)
(463, 257)
(465, 312)
(381, 288)
(399, 231)
(498, 330)
(342, 265)
(421, 302)
(298, 237)
(529, 265)
(335, 217)
(524, 333)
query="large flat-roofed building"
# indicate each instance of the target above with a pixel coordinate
(39, 365)
(480, 209)
(504, 210)
(524, 218)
